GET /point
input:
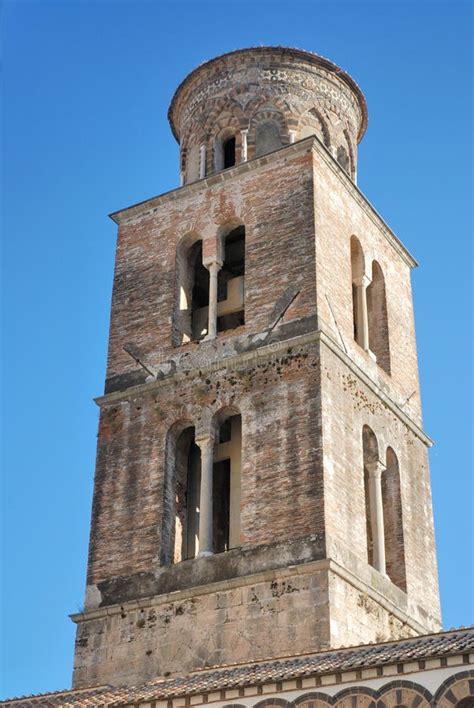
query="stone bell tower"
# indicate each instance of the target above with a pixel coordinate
(262, 486)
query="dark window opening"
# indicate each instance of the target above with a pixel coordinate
(228, 149)
(200, 292)
(221, 505)
(354, 312)
(225, 431)
(187, 482)
(230, 284)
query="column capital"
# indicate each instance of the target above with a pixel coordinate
(214, 265)
(363, 281)
(205, 442)
(375, 469)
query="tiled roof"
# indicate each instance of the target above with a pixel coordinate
(205, 681)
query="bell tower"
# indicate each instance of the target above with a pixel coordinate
(262, 486)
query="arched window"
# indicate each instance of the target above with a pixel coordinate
(393, 521)
(378, 318)
(371, 457)
(231, 283)
(359, 303)
(193, 293)
(227, 482)
(268, 137)
(180, 528)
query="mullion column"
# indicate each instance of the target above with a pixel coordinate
(206, 516)
(375, 471)
(213, 269)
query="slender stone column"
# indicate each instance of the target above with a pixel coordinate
(292, 134)
(213, 269)
(202, 162)
(243, 145)
(181, 178)
(205, 497)
(361, 312)
(375, 470)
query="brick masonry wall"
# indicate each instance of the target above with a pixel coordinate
(347, 405)
(282, 494)
(341, 212)
(275, 204)
(303, 408)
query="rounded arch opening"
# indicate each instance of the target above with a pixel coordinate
(180, 525)
(393, 521)
(227, 475)
(192, 297)
(378, 318)
(358, 292)
(231, 277)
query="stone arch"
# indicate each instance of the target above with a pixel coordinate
(190, 155)
(225, 120)
(191, 290)
(268, 108)
(273, 703)
(361, 696)
(227, 473)
(268, 129)
(179, 438)
(313, 700)
(457, 690)
(404, 693)
(377, 313)
(306, 125)
(393, 521)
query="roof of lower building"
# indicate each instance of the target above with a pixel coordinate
(205, 681)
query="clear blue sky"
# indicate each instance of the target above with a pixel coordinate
(87, 86)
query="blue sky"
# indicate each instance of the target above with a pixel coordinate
(87, 87)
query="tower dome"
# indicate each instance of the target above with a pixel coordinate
(250, 102)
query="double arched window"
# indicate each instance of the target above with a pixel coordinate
(369, 306)
(210, 296)
(201, 510)
(383, 503)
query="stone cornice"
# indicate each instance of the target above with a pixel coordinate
(327, 564)
(149, 206)
(255, 355)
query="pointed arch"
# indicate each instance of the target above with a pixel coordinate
(378, 318)
(393, 521)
